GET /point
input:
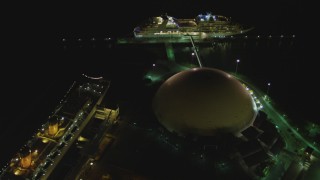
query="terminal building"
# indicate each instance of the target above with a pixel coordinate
(204, 102)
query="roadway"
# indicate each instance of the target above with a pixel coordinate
(278, 118)
(295, 142)
(195, 51)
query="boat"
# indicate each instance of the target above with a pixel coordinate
(201, 27)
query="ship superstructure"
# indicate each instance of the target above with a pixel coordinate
(80, 106)
(203, 26)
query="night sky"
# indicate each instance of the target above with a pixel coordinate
(33, 31)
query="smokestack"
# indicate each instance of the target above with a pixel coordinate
(53, 126)
(25, 157)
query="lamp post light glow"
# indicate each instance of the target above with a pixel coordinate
(237, 65)
(269, 84)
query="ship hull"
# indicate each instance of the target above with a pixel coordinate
(196, 35)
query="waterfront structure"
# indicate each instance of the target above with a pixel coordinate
(136, 146)
(204, 101)
(202, 27)
(38, 158)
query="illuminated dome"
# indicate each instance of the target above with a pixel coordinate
(204, 102)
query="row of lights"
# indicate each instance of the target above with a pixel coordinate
(258, 36)
(237, 62)
(44, 125)
(270, 36)
(65, 96)
(90, 77)
(5, 167)
(91, 39)
(41, 165)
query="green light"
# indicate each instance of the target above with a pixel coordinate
(223, 167)
(153, 77)
(266, 171)
(170, 52)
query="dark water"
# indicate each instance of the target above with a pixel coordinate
(39, 70)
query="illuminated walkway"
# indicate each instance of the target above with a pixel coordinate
(276, 116)
(195, 51)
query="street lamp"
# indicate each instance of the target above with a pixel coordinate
(269, 84)
(237, 65)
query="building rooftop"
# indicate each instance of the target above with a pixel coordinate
(204, 102)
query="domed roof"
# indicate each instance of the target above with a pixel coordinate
(204, 101)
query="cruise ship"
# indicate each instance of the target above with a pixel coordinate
(202, 27)
(78, 124)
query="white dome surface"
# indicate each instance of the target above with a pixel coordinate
(204, 101)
